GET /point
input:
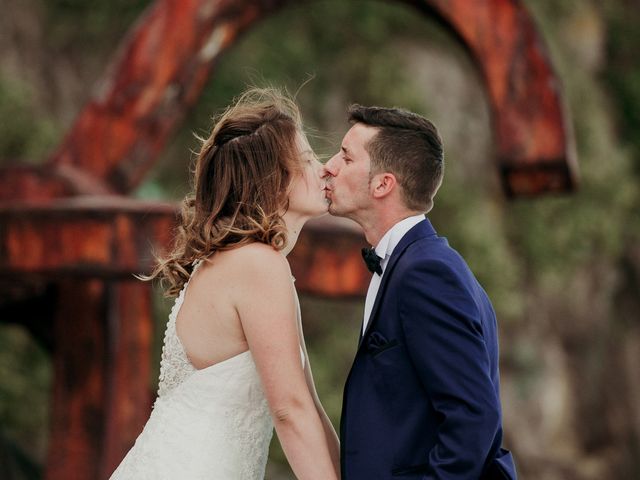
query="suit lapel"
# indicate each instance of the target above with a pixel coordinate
(421, 230)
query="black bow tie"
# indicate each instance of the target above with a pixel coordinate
(372, 260)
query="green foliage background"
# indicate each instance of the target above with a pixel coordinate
(563, 271)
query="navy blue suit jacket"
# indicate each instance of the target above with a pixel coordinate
(422, 397)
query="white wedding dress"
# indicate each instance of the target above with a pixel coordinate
(211, 424)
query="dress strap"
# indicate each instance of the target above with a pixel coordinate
(178, 303)
(196, 265)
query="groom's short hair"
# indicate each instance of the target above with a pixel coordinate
(407, 145)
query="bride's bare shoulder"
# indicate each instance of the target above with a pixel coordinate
(255, 259)
(254, 251)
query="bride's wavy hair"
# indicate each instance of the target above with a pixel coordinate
(240, 183)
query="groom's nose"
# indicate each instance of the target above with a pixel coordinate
(329, 168)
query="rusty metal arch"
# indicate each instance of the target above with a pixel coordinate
(68, 222)
(137, 108)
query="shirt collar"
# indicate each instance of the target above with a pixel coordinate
(393, 236)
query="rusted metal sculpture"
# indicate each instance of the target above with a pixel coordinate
(70, 239)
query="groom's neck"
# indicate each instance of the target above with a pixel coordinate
(380, 220)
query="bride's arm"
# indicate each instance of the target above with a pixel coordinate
(329, 432)
(265, 304)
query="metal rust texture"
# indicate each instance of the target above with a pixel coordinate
(327, 260)
(128, 402)
(159, 72)
(113, 237)
(79, 388)
(100, 397)
(534, 141)
(104, 237)
(37, 184)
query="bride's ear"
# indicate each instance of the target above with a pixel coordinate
(383, 184)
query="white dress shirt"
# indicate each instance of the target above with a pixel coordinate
(384, 249)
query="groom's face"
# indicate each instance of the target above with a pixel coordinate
(348, 173)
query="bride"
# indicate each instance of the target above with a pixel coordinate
(234, 362)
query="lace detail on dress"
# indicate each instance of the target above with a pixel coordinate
(251, 432)
(175, 366)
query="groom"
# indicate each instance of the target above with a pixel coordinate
(422, 398)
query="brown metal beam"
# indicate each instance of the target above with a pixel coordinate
(101, 396)
(104, 237)
(113, 237)
(128, 400)
(79, 389)
(326, 260)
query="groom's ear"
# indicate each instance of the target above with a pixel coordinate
(383, 184)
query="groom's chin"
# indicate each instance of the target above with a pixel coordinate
(332, 211)
(331, 207)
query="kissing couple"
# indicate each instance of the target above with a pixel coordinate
(422, 398)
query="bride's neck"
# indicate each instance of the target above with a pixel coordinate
(294, 224)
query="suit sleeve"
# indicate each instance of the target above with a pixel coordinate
(445, 343)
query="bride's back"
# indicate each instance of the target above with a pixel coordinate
(208, 324)
(211, 418)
